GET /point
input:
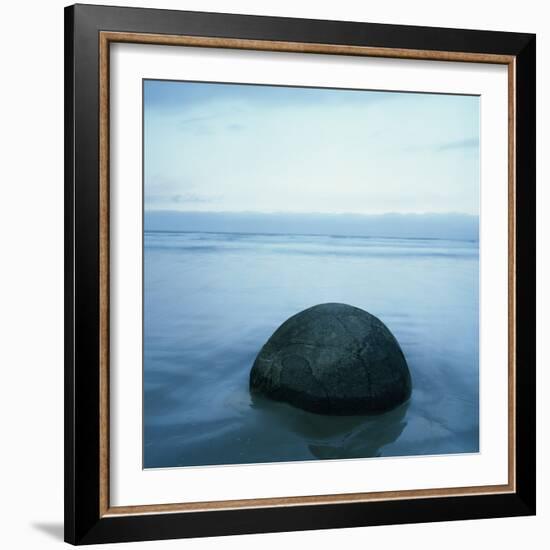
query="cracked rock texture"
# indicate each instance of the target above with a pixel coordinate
(333, 359)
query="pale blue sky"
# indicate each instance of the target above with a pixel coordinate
(233, 148)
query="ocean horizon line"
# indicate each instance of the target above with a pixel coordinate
(420, 226)
(287, 234)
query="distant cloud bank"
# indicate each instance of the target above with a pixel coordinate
(428, 226)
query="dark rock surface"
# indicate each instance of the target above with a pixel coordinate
(333, 359)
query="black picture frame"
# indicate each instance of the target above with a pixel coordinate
(84, 522)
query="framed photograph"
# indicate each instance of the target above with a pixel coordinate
(300, 274)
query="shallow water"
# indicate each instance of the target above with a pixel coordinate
(211, 300)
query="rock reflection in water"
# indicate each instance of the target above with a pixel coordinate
(336, 437)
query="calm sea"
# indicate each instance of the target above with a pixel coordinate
(211, 300)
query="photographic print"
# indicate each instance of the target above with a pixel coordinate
(299, 279)
(310, 273)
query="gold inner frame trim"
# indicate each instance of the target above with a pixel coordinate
(105, 39)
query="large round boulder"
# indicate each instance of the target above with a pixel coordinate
(333, 359)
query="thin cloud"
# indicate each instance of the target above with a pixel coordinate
(189, 197)
(472, 143)
(235, 127)
(186, 122)
(179, 199)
